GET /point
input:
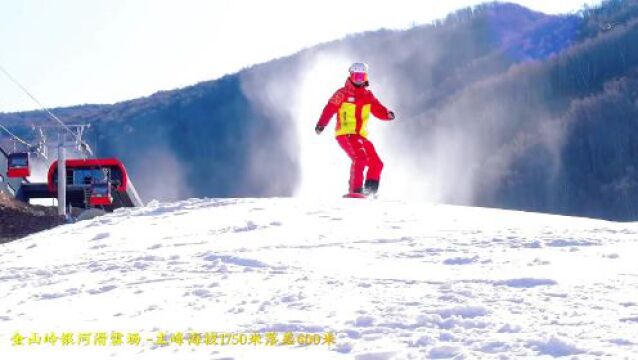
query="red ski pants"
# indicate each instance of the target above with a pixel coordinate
(362, 153)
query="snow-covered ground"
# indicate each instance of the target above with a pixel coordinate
(389, 279)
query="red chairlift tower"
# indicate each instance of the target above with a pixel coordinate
(83, 182)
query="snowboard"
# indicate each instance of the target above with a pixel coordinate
(355, 196)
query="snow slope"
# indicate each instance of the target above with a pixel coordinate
(390, 279)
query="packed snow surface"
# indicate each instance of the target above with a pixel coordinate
(390, 279)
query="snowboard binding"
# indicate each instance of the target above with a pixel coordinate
(371, 188)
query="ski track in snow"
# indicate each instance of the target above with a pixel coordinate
(391, 279)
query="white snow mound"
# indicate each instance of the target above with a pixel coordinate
(390, 280)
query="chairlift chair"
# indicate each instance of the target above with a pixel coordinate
(101, 194)
(18, 165)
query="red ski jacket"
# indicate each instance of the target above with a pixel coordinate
(353, 106)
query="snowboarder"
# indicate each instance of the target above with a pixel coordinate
(353, 104)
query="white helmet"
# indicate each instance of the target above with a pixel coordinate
(358, 67)
(359, 73)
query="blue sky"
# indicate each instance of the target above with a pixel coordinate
(69, 52)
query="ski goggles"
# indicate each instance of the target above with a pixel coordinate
(359, 77)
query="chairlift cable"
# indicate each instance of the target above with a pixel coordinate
(45, 109)
(14, 136)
